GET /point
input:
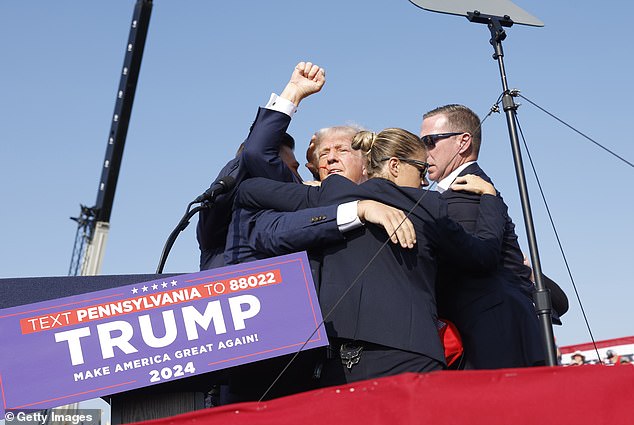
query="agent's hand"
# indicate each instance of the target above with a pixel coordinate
(311, 157)
(307, 79)
(396, 224)
(528, 264)
(474, 184)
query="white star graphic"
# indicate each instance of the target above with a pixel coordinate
(164, 284)
(134, 290)
(155, 286)
(173, 283)
(144, 288)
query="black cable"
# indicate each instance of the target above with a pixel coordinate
(576, 131)
(182, 224)
(561, 249)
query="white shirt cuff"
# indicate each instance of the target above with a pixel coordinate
(280, 104)
(347, 218)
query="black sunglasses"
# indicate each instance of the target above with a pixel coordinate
(421, 166)
(431, 139)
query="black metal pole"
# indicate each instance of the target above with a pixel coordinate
(543, 304)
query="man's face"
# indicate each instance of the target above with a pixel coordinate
(443, 157)
(311, 156)
(336, 156)
(288, 157)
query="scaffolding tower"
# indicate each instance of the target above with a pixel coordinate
(93, 223)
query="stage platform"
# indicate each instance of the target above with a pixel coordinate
(592, 394)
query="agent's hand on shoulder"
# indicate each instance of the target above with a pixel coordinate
(474, 184)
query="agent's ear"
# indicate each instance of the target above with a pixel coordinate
(465, 143)
(393, 165)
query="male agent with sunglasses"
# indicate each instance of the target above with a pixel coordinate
(494, 312)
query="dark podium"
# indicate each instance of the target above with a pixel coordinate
(158, 401)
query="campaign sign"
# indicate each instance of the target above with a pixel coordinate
(85, 346)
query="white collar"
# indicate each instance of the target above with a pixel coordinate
(446, 182)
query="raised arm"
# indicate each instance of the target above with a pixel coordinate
(261, 154)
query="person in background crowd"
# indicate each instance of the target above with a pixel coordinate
(614, 359)
(578, 359)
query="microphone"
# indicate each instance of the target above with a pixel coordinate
(223, 185)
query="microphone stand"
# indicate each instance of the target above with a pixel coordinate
(182, 224)
(542, 299)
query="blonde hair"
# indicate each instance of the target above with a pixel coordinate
(391, 142)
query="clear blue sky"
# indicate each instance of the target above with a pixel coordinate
(208, 65)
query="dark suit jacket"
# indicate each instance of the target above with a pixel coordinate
(258, 158)
(388, 299)
(493, 311)
(259, 234)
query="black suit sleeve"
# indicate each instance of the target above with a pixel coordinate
(463, 208)
(261, 153)
(276, 233)
(481, 251)
(260, 193)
